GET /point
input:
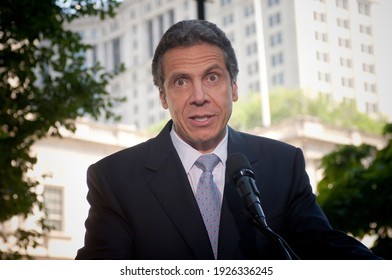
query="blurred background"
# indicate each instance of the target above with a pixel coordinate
(76, 86)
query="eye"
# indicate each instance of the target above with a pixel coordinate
(213, 77)
(180, 82)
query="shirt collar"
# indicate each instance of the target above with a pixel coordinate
(189, 155)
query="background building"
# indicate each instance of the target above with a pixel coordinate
(319, 46)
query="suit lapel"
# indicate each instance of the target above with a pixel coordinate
(171, 188)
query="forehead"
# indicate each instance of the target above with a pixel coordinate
(187, 58)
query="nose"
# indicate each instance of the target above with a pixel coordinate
(199, 94)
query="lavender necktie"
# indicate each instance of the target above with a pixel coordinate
(209, 198)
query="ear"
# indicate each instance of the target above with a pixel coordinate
(162, 97)
(235, 91)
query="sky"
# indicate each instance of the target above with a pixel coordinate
(383, 50)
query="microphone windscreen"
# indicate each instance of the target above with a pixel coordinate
(236, 162)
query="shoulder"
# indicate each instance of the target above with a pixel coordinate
(127, 160)
(258, 139)
(258, 144)
(147, 152)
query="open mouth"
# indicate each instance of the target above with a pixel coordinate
(201, 120)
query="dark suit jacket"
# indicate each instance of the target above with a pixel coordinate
(142, 207)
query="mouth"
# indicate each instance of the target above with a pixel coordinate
(201, 120)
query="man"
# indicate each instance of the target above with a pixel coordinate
(145, 200)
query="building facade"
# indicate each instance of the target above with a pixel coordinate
(320, 46)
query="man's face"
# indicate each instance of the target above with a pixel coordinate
(199, 93)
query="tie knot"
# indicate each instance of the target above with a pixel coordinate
(207, 162)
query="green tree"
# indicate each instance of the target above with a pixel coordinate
(44, 85)
(286, 103)
(246, 113)
(356, 192)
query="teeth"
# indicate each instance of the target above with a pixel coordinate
(203, 119)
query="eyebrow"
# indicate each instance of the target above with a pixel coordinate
(213, 67)
(209, 69)
(177, 75)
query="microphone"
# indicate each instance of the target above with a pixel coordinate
(239, 170)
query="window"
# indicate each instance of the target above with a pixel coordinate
(342, 4)
(254, 87)
(147, 7)
(367, 48)
(371, 107)
(369, 87)
(251, 49)
(250, 29)
(274, 19)
(171, 17)
(94, 33)
(321, 36)
(369, 68)
(106, 54)
(151, 103)
(225, 2)
(319, 17)
(347, 82)
(253, 68)
(322, 56)
(324, 77)
(150, 36)
(364, 29)
(54, 202)
(273, 2)
(135, 44)
(113, 26)
(346, 62)
(363, 8)
(116, 53)
(277, 59)
(278, 79)
(94, 55)
(345, 43)
(228, 19)
(276, 39)
(161, 25)
(344, 23)
(132, 14)
(249, 10)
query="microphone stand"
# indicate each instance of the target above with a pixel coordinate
(246, 186)
(258, 218)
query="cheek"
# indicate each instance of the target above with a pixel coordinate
(176, 105)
